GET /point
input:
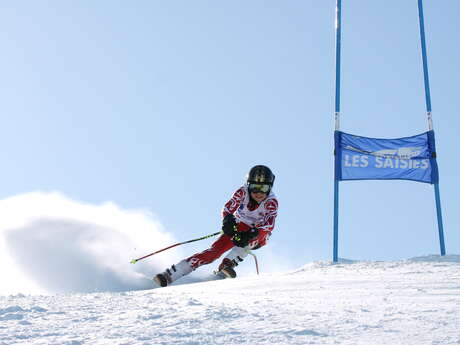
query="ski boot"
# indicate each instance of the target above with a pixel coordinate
(226, 268)
(231, 260)
(172, 274)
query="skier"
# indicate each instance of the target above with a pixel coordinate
(248, 220)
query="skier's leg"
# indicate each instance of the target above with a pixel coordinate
(219, 247)
(184, 267)
(237, 255)
(172, 274)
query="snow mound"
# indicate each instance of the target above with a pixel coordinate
(349, 264)
(436, 258)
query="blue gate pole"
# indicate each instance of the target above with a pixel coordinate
(440, 227)
(430, 122)
(338, 28)
(336, 221)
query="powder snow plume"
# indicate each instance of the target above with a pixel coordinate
(52, 244)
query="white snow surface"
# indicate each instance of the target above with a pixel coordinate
(414, 301)
(66, 279)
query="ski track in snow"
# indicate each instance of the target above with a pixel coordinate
(414, 301)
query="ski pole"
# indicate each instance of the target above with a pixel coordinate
(175, 245)
(255, 259)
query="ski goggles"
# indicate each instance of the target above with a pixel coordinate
(259, 188)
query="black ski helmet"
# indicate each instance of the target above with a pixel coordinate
(260, 174)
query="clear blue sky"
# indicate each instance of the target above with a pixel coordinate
(165, 105)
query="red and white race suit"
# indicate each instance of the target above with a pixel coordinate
(248, 215)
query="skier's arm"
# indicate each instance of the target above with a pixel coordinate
(232, 205)
(268, 224)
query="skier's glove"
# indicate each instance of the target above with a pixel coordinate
(229, 225)
(242, 239)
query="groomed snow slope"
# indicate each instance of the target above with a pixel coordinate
(414, 301)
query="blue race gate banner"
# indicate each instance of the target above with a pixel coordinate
(360, 158)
